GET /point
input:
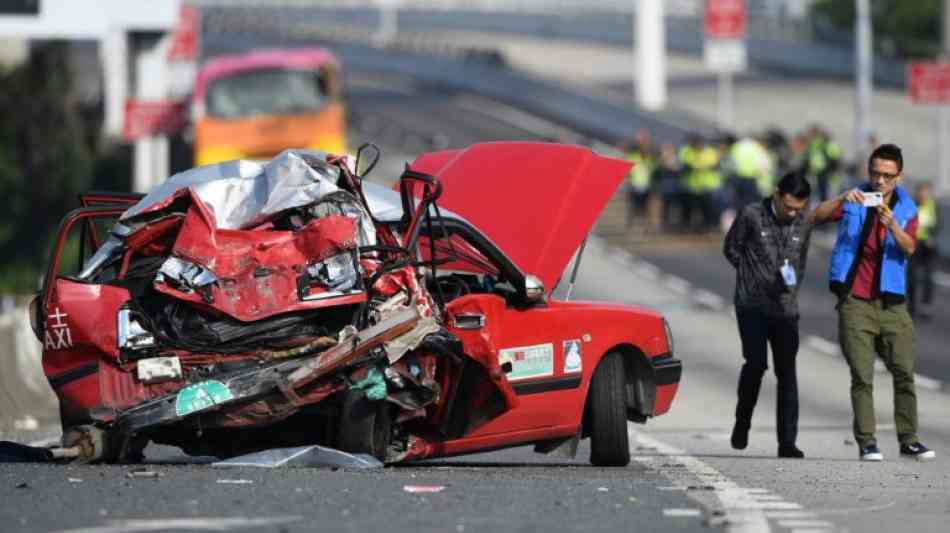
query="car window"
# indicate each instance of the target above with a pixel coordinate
(82, 240)
(454, 253)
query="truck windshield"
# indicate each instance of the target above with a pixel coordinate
(267, 92)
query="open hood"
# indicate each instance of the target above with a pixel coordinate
(536, 201)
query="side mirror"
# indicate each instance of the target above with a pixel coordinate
(533, 289)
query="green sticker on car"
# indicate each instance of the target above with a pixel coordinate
(200, 396)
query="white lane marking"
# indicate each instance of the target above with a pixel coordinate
(740, 512)
(790, 514)
(823, 345)
(647, 271)
(682, 512)
(767, 497)
(709, 299)
(676, 284)
(923, 382)
(805, 523)
(621, 256)
(205, 524)
(854, 510)
(809, 530)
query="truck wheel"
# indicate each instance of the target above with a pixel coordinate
(609, 444)
(365, 425)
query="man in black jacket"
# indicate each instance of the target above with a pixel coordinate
(768, 246)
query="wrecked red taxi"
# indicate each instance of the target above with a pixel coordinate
(244, 306)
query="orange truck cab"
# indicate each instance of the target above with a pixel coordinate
(254, 105)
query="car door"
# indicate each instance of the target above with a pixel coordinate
(73, 318)
(527, 342)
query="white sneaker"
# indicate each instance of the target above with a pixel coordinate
(871, 453)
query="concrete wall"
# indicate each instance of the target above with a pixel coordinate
(26, 400)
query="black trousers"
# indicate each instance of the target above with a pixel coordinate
(920, 276)
(758, 331)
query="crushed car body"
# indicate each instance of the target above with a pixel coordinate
(243, 306)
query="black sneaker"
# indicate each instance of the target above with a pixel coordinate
(871, 453)
(740, 436)
(916, 450)
(790, 452)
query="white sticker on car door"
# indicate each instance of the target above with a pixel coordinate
(572, 356)
(528, 361)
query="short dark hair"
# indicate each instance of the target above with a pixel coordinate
(889, 152)
(794, 183)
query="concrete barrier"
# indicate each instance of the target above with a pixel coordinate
(27, 402)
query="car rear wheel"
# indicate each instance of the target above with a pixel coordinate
(365, 425)
(609, 444)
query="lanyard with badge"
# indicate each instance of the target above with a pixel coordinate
(789, 276)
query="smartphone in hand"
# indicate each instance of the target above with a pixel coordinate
(872, 198)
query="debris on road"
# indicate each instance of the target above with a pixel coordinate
(143, 473)
(304, 456)
(423, 488)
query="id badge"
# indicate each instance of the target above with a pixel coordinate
(788, 275)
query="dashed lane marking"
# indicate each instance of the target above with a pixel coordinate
(709, 299)
(823, 345)
(799, 524)
(740, 514)
(676, 284)
(790, 514)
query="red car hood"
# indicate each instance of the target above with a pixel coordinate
(536, 201)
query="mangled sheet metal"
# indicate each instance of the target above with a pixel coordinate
(246, 294)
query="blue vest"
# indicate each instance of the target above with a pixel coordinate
(851, 237)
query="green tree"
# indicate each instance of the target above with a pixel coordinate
(45, 160)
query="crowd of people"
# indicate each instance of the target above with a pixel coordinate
(700, 185)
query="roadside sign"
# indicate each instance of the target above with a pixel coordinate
(928, 82)
(184, 45)
(724, 19)
(149, 118)
(725, 55)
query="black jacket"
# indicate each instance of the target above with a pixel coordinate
(757, 245)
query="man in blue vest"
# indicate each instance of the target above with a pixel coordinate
(877, 233)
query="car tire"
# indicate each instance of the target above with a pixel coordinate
(365, 426)
(609, 443)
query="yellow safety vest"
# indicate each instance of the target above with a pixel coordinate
(926, 220)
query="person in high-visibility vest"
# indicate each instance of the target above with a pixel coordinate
(639, 181)
(822, 159)
(921, 267)
(753, 168)
(700, 180)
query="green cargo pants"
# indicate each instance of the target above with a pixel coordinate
(864, 330)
